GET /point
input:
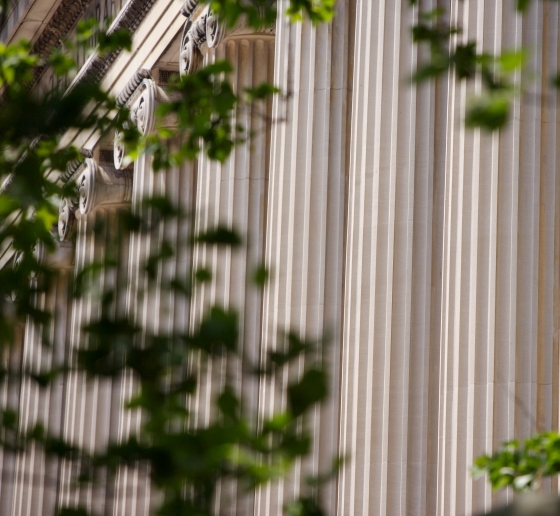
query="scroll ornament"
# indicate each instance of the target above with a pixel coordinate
(67, 219)
(142, 103)
(103, 186)
(206, 32)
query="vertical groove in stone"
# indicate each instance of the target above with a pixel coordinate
(551, 64)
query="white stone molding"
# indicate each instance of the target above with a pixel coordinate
(67, 219)
(103, 186)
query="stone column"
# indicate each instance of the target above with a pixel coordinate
(89, 403)
(305, 222)
(141, 303)
(10, 396)
(450, 343)
(392, 268)
(232, 194)
(35, 477)
(499, 361)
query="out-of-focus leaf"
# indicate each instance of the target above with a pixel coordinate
(220, 236)
(488, 112)
(311, 389)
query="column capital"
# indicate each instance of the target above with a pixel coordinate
(103, 186)
(62, 257)
(203, 31)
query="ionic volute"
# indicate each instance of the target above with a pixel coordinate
(67, 219)
(140, 95)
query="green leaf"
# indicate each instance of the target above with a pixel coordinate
(228, 403)
(262, 91)
(218, 331)
(73, 511)
(220, 236)
(47, 215)
(261, 275)
(311, 389)
(512, 60)
(489, 112)
(203, 275)
(522, 5)
(109, 42)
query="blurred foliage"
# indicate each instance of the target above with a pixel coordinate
(187, 462)
(263, 12)
(522, 465)
(498, 78)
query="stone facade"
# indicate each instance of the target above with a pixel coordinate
(429, 252)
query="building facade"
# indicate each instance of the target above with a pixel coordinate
(430, 252)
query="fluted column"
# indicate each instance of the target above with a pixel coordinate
(9, 396)
(305, 222)
(35, 476)
(499, 361)
(392, 260)
(142, 302)
(232, 194)
(89, 419)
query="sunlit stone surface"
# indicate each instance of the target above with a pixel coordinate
(428, 252)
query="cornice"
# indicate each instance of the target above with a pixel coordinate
(130, 17)
(66, 17)
(63, 20)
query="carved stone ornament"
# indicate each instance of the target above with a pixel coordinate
(215, 29)
(103, 186)
(190, 56)
(142, 113)
(119, 152)
(67, 219)
(203, 31)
